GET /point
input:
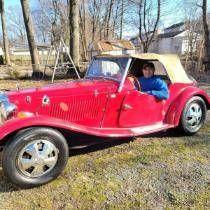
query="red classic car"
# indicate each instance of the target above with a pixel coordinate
(36, 122)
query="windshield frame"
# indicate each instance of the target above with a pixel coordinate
(125, 75)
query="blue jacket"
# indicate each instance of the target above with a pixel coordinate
(154, 86)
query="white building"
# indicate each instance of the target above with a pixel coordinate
(24, 51)
(174, 39)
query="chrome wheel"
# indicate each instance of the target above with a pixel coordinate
(194, 115)
(37, 158)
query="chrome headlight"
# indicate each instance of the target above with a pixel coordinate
(6, 108)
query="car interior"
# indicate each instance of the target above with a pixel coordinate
(137, 66)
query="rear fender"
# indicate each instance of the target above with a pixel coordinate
(177, 105)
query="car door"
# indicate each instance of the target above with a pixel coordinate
(140, 109)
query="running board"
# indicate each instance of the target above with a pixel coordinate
(150, 128)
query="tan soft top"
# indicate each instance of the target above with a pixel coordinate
(171, 62)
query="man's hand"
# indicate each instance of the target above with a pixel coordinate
(131, 79)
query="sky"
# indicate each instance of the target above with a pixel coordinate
(175, 15)
(14, 3)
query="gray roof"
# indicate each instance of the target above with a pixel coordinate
(175, 25)
(170, 34)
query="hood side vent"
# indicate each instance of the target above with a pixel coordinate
(76, 110)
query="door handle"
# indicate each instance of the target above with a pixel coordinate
(127, 107)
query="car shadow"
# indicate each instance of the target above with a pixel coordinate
(80, 144)
(91, 144)
(84, 144)
(87, 144)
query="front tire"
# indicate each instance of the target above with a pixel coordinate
(193, 115)
(35, 157)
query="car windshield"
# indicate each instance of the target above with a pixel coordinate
(109, 68)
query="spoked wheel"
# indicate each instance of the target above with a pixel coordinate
(193, 116)
(35, 157)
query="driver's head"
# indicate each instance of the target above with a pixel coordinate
(148, 70)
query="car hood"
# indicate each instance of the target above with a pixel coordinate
(84, 86)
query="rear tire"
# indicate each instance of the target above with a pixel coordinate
(193, 115)
(35, 157)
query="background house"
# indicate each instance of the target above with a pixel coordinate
(174, 39)
(118, 47)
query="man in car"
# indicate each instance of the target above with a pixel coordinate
(152, 84)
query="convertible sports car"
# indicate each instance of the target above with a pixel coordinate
(36, 122)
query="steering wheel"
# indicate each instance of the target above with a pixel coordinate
(135, 82)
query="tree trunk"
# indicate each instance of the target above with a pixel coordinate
(30, 35)
(4, 31)
(108, 19)
(117, 11)
(83, 29)
(206, 37)
(121, 19)
(74, 31)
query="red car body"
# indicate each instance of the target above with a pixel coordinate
(34, 121)
(95, 107)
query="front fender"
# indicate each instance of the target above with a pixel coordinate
(177, 105)
(17, 124)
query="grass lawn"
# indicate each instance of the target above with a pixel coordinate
(165, 170)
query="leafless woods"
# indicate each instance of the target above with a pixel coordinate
(81, 23)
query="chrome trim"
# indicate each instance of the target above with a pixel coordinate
(102, 77)
(125, 75)
(6, 108)
(89, 68)
(45, 100)
(127, 107)
(28, 99)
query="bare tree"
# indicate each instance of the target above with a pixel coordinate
(95, 13)
(41, 26)
(148, 21)
(83, 36)
(30, 35)
(5, 36)
(206, 37)
(122, 17)
(108, 18)
(51, 20)
(74, 30)
(16, 26)
(193, 37)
